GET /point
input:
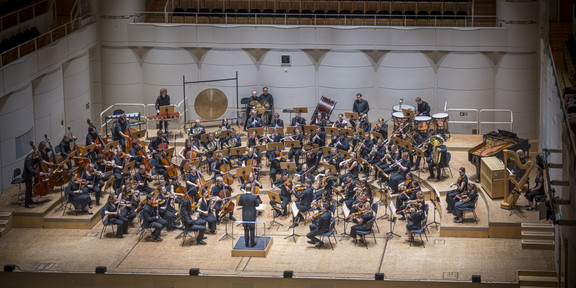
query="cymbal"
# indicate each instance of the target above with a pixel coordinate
(264, 103)
(254, 103)
(210, 104)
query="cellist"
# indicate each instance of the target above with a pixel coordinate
(161, 168)
(219, 190)
(32, 160)
(189, 153)
(193, 181)
(160, 141)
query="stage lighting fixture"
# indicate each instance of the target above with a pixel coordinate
(194, 271)
(379, 276)
(288, 273)
(100, 269)
(476, 279)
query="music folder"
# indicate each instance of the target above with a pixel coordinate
(166, 110)
(294, 209)
(345, 209)
(310, 129)
(351, 115)
(300, 110)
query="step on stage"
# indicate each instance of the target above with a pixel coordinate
(261, 249)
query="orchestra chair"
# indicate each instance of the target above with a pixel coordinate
(105, 223)
(367, 231)
(16, 180)
(330, 233)
(375, 210)
(143, 227)
(471, 209)
(421, 231)
(186, 230)
(67, 205)
(537, 199)
(425, 208)
(446, 164)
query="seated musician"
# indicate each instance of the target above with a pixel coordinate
(65, 148)
(427, 154)
(364, 124)
(285, 185)
(188, 153)
(360, 219)
(151, 218)
(319, 120)
(341, 142)
(120, 127)
(112, 209)
(536, 190)
(192, 223)
(118, 161)
(340, 122)
(251, 158)
(160, 141)
(423, 108)
(349, 166)
(176, 189)
(294, 153)
(274, 137)
(389, 162)
(399, 175)
(441, 161)
(382, 128)
(348, 191)
(253, 140)
(275, 157)
(161, 168)
(92, 178)
(232, 141)
(252, 185)
(362, 195)
(142, 179)
(91, 137)
(131, 199)
(225, 124)
(216, 166)
(254, 121)
(333, 158)
(326, 181)
(410, 205)
(417, 139)
(318, 138)
(276, 122)
(408, 192)
(366, 147)
(76, 196)
(196, 131)
(304, 174)
(320, 224)
(312, 157)
(206, 210)
(460, 183)
(193, 181)
(167, 210)
(377, 153)
(464, 201)
(210, 145)
(219, 191)
(134, 150)
(103, 166)
(304, 201)
(414, 221)
(298, 120)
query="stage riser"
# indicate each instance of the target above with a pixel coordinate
(463, 232)
(532, 235)
(29, 221)
(505, 230)
(77, 224)
(538, 244)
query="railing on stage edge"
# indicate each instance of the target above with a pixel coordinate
(104, 122)
(479, 122)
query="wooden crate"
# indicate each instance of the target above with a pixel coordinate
(492, 177)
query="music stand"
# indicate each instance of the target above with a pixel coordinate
(259, 148)
(392, 222)
(331, 131)
(128, 167)
(88, 149)
(224, 133)
(435, 198)
(309, 129)
(288, 166)
(326, 150)
(348, 131)
(279, 130)
(110, 146)
(377, 136)
(237, 151)
(292, 144)
(195, 163)
(294, 214)
(332, 168)
(346, 211)
(351, 115)
(344, 154)
(166, 109)
(138, 134)
(290, 130)
(384, 199)
(360, 131)
(274, 196)
(383, 175)
(408, 113)
(203, 137)
(107, 184)
(242, 172)
(206, 184)
(364, 163)
(260, 111)
(232, 200)
(259, 131)
(300, 110)
(272, 146)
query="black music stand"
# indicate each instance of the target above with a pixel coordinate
(392, 222)
(435, 198)
(294, 214)
(384, 201)
(300, 110)
(226, 234)
(276, 198)
(346, 215)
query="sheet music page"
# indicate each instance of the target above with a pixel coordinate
(294, 209)
(392, 208)
(260, 207)
(345, 210)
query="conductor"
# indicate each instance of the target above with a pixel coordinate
(249, 201)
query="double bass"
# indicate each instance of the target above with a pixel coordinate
(78, 159)
(100, 143)
(60, 174)
(43, 184)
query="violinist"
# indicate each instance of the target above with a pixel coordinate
(92, 178)
(408, 194)
(136, 147)
(340, 122)
(142, 179)
(311, 156)
(304, 202)
(414, 221)
(341, 142)
(402, 168)
(362, 195)
(205, 208)
(118, 165)
(221, 191)
(120, 127)
(350, 166)
(254, 121)
(318, 138)
(112, 209)
(285, 185)
(160, 141)
(275, 157)
(360, 219)
(382, 128)
(319, 120)
(196, 131)
(333, 158)
(295, 152)
(411, 205)
(326, 181)
(32, 160)
(193, 181)
(152, 219)
(298, 120)
(348, 190)
(160, 168)
(131, 199)
(76, 196)
(320, 224)
(304, 174)
(192, 223)
(167, 210)
(460, 184)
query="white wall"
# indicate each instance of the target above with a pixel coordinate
(49, 106)
(76, 82)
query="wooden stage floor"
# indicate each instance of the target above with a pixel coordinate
(452, 252)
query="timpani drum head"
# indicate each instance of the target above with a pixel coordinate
(398, 108)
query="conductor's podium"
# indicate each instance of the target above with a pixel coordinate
(263, 245)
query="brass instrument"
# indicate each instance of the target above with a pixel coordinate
(231, 143)
(359, 146)
(436, 140)
(510, 199)
(219, 131)
(211, 146)
(196, 131)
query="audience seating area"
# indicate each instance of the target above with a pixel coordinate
(350, 13)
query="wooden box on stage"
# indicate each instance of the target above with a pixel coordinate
(492, 177)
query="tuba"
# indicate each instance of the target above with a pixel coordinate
(436, 140)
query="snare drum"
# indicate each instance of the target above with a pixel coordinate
(398, 117)
(422, 123)
(398, 108)
(441, 121)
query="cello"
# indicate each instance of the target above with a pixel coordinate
(61, 173)
(200, 182)
(225, 168)
(172, 171)
(44, 184)
(100, 142)
(228, 205)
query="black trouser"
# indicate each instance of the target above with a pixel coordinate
(249, 235)
(165, 125)
(122, 223)
(157, 225)
(28, 194)
(314, 231)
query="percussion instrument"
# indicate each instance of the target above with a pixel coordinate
(398, 118)
(398, 108)
(255, 103)
(210, 104)
(441, 121)
(422, 123)
(325, 105)
(163, 116)
(264, 103)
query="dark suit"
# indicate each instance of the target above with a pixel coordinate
(28, 174)
(249, 201)
(320, 226)
(153, 220)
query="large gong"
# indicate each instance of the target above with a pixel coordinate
(210, 104)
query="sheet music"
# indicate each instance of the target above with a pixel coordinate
(345, 210)
(436, 191)
(260, 207)
(392, 208)
(294, 209)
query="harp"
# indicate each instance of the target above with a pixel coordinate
(510, 198)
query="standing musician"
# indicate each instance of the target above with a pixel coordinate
(44, 151)
(312, 157)
(298, 121)
(254, 121)
(441, 150)
(460, 183)
(151, 217)
(403, 168)
(295, 152)
(381, 128)
(142, 179)
(304, 201)
(318, 138)
(112, 209)
(196, 131)
(333, 158)
(118, 131)
(269, 98)
(249, 202)
(285, 185)
(253, 97)
(192, 223)
(341, 142)
(275, 157)
(193, 181)
(360, 106)
(217, 191)
(167, 210)
(423, 108)
(92, 178)
(160, 141)
(205, 208)
(340, 123)
(162, 100)
(360, 219)
(76, 196)
(320, 224)
(65, 148)
(414, 221)
(464, 201)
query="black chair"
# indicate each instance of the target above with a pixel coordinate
(330, 233)
(155, 175)
(67, 205)
(471, 209)
(447, 165)
(537, 199)
(367, 231)
(105, 223)
(143, 227)
(375, 210)
(421, 231)
(16, 180)
(178, 12)
(186, 230)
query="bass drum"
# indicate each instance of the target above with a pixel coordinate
(325, 105)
